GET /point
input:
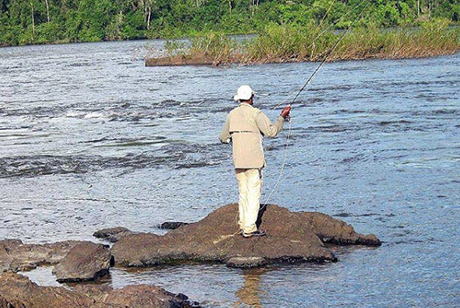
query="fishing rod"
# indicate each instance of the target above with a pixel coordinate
(301, 89)
(321, 64)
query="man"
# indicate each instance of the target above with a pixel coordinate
(245, 128)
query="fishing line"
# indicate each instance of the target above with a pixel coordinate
(298, 91)
(302, 88)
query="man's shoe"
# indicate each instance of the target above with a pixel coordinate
(255, 233)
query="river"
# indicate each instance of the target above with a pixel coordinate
(90, 138)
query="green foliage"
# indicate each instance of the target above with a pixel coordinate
(91, 20)
(176, 47)
(286, 43)
(47, 21)
(49, 32)
(217, 45)
(131, 25)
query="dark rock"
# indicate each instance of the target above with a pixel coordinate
(19, 292)
(139, 253)
(135, 296)
(246, 262)
(5, 304)
(112, 234)
(98, 292)
(172, 225)
(148, 296)
(84, 262)
(335, 231)
(16, 256)
(292, 237)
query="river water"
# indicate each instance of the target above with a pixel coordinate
(90, 138)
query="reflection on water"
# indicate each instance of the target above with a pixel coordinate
(90, 138)
(250, 292)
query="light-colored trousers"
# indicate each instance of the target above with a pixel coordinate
(250, 190)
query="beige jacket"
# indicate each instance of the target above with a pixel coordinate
(245, 127)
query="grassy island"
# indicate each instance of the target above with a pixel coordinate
(284, 43)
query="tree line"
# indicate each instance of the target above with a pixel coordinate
(59, 21)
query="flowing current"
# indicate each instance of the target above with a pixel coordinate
(90, 138)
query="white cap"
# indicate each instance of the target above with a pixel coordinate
(244, 93)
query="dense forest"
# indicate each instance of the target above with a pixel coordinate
(51, 21)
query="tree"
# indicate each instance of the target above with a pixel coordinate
(47, 10)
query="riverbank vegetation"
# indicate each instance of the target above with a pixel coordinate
(60, 21)
(288, 44)
(284, 43)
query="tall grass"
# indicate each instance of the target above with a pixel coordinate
(288, 44)
(219, 47)
(431, 39)
(284, 43)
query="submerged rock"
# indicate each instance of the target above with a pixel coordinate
(84, 262)
(112, 234)
(19, 291)
(172, 225)
(292, 237)
(242, 262)
(16, 256)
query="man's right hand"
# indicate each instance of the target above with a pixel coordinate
(285, 112)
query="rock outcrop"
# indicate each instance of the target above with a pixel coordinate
(19, 292)
(136, 296)
(4, 303)
(292, 237)
(112, 234)
(334, 231)
(16, 256)
(172, 225)
(85, 262)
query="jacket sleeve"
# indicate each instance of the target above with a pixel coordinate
(266, 127)
(224, 135)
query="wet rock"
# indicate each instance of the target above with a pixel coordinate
(112, 234)
(84, 262)
(97, 292)
(140, 250)
(5, 304)
(137, 296)
(16, 256)
(19, 291)
(292, 237)
(172, 225)
(334, 231)
(246, 262)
